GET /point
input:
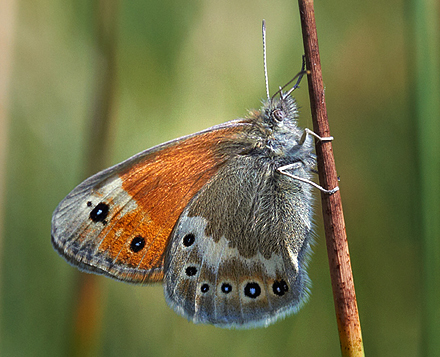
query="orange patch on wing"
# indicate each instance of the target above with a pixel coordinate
(118, 237)
(162, 183)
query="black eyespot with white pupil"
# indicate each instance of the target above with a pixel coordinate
(226, 288)
(137, 244)
(252, 290)
(191, 271)
(189, 239)
(204, 288)
(99, 213)
(280, 287)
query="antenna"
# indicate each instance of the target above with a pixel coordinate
(264, 60)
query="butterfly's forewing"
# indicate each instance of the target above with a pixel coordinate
(118, 221)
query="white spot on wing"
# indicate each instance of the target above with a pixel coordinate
(212, 251)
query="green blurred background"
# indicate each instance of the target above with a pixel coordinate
(178, 67)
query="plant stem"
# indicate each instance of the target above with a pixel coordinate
(337, 247)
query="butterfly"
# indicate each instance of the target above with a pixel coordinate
(222, 217)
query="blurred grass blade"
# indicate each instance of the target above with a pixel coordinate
(7, 28)
(427, 97)
(88, 312)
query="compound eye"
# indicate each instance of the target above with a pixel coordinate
(278, 114)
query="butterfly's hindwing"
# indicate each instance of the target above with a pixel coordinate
(241, 263)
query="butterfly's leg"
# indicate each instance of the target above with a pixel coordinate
(294, 165)
(310, 132)
(291, 166)
(298, 76)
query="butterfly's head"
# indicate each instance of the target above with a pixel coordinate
(279, 115)
(275, 126)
